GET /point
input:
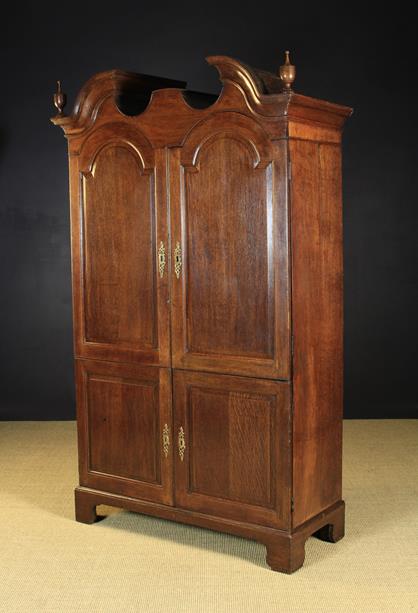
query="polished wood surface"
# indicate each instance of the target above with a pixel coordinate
(207, 273)
(317, 285)
(230, 304)
(119, 217)
(237, 455)
(121, 412)
(120, 293)
(229, 268)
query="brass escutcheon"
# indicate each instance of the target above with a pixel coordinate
(166, 440)
(177, 260)
(182, 444)
(161, 259)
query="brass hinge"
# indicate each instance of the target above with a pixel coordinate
(292, 505)
(290, 171)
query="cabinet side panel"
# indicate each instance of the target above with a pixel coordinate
(317, 310)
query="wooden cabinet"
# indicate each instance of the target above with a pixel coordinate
(207, 295)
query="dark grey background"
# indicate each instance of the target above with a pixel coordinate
(342, 54)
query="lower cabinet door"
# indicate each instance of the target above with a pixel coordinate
(232, 447)
(124, 421)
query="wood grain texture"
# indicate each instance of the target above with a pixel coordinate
(229, 275)
(237, 452)
(314, 132)
(230, 309)
(121, 293)
(121, 413)
(317, 311)
(245, 191)
(118, 219)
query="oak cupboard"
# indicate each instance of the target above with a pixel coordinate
(207, 296)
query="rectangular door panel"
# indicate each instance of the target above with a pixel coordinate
(232, 454)
(230, 308)
(119, 225)
(124, 415)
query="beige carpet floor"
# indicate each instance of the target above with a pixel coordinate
(133, 563)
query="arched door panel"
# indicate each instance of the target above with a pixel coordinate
(230, 303)
(123, 311)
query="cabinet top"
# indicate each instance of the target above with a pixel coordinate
(146, 99)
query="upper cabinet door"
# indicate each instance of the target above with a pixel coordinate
(230, 309)
(120, 251)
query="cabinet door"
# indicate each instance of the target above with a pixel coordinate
(119, 230)
(232, 447)
(229, 239)
(125, 429)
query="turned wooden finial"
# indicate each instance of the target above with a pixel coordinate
(287, 73)
(60, 99)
